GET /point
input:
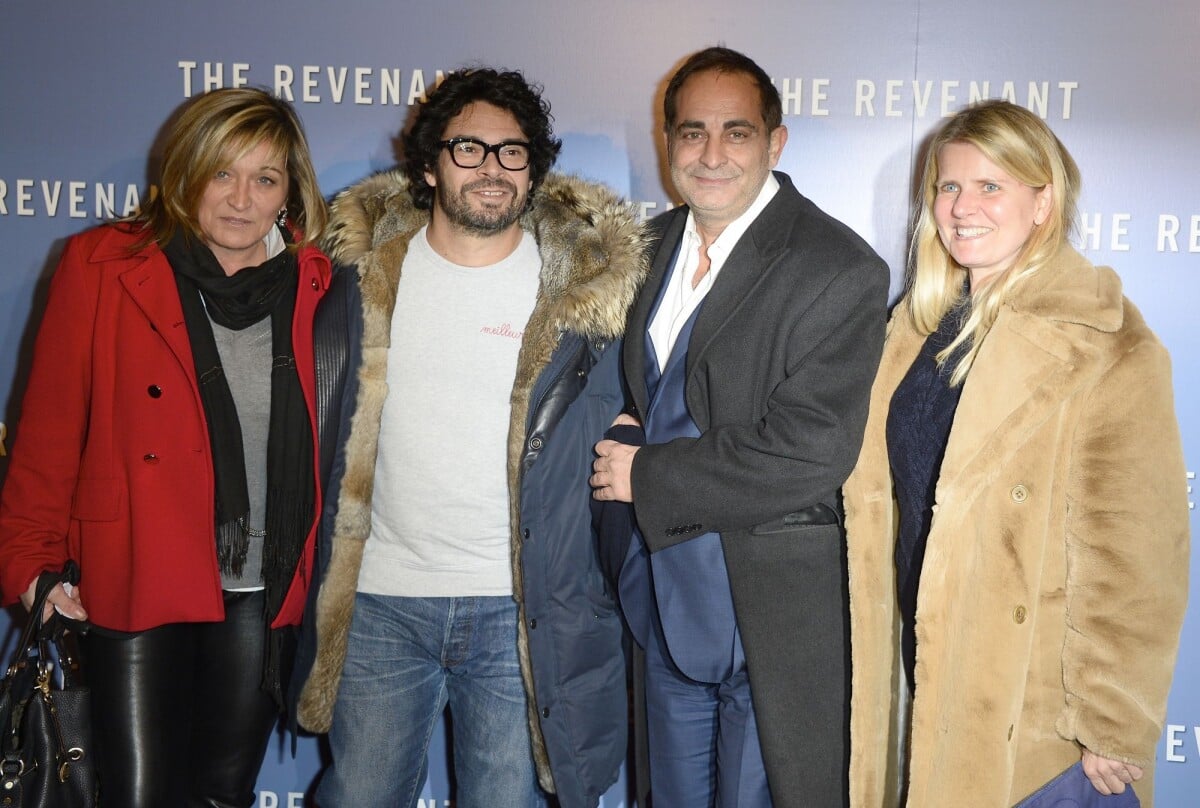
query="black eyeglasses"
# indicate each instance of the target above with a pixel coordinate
(468, 152)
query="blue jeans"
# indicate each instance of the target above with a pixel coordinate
(407, 658)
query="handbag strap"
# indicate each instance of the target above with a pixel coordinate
(36, 629)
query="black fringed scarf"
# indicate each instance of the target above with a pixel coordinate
(236, 302)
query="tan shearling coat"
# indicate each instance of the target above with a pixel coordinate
(1055, 578)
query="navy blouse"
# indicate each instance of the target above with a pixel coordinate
(918, 429)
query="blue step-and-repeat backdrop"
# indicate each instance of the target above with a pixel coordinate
(86, 88)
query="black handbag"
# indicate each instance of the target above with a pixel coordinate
(45, 716)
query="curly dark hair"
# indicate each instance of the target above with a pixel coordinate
(724, 60)
(506, 89)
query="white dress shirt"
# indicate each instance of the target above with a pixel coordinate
(680, 299)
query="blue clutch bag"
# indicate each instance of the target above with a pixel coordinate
(1072, 789)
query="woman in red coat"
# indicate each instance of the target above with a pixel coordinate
(168, 446)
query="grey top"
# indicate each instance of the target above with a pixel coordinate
(246, 358)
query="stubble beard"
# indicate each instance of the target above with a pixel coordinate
(483, 221)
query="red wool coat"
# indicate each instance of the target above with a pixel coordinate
(112, 465)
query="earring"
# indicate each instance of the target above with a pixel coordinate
(281, 219)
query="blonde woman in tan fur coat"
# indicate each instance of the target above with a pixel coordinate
(1050, 505)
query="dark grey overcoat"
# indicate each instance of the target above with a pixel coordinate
(779, 372)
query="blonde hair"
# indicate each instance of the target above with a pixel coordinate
(215, 130)
(1021, 144)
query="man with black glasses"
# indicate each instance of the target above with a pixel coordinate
(469, 362)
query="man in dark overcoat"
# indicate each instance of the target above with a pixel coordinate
(749, 358)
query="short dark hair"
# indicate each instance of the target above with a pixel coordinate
(506, 89)
(724, 60)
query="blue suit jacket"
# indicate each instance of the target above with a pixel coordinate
(690, 595)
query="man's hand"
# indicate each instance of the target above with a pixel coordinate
(1107, 775)
(613, 466)
(68, 604)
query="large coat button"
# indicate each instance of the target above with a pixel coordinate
(1019, 615)
(1019, 493)
(155, 391)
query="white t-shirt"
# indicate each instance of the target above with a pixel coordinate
(440, 509)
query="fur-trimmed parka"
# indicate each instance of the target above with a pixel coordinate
(1055, 578)
(565, 394)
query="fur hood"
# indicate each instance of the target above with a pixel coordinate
(589, 240)
(592, 251)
